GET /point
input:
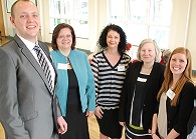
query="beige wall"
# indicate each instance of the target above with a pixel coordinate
(191, 38)
(182, 24)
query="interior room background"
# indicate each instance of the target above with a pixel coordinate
(170, 22)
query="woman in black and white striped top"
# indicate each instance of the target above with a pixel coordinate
(109, 67)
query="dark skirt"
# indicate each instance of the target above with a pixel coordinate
(77, 123)
(131, 133)
(109, 124)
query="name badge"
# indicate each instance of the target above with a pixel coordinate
(170, 94)
(62, 66)
(121, 68)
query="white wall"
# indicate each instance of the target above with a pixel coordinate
(183, 24)
(178, 24)
(183, 27)
(191, 39)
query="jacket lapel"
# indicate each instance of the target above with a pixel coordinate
(25, 51)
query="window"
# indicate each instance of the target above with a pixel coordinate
(73, 12)
(142, 19)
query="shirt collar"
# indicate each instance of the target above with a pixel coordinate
(28, 44)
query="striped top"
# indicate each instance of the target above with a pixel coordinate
(109, 79)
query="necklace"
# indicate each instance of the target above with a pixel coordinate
(67, 61)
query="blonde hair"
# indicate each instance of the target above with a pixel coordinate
(186, 76)
(13, 6)
(157, 49)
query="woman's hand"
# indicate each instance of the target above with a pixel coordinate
(89, 113)
(99, 113)
(122, 123)
(154, 136)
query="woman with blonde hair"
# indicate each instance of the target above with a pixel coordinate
(176, 98)
(142, 83)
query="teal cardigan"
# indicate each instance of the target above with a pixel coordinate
(84, 75)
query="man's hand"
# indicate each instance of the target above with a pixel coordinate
(62, 124)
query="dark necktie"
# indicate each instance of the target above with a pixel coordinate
(44, 65)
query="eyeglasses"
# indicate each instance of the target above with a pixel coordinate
(64, 36)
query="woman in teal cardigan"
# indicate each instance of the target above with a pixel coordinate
(75, 88)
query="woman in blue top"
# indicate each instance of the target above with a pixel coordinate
(75, 87)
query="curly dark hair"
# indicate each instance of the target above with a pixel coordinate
(56, 33)
(102, 44)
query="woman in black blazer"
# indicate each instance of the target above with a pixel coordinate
(192, 120)
(176, 98)
(142, 83)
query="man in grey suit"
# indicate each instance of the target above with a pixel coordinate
(28, 106)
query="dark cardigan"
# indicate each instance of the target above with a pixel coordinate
(151, 88)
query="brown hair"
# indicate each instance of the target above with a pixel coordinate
(186, 76)
(56, 33)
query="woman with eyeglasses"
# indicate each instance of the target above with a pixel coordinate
(75, 87)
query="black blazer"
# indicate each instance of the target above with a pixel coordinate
(192, 119)
(178, 116)
(151, 88)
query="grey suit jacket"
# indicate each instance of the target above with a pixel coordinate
(27, 109)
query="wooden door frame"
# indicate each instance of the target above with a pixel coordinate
(2, 27)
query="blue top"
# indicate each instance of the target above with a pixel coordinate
(84, 75)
